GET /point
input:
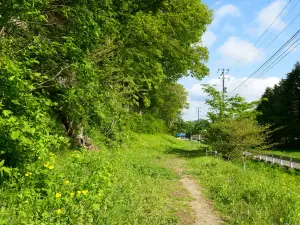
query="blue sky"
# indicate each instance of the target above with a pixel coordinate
(237, 25)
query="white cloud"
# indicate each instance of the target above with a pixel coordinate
(228, 28)
(191, 113)
(235, 48)
(216, 4)
(251, 93)
(225, 10)
(209, 38)
(266, 17)
(253, 88)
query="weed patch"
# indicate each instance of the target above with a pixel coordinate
(126, 185)
(259, 195)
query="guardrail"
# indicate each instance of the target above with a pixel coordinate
(290, 162)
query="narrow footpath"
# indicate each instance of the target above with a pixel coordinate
(203, 211)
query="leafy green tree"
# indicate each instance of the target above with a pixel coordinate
(68, 66)
(222, 106)
(201, 127)
(168, 101)
(233, 138)
(281, 110)
(234, 129)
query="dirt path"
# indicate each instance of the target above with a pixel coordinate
(202, 208)
(204, 212)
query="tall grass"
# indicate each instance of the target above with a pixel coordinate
(261, 194)
(125, 185)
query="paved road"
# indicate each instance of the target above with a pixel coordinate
(282, 162)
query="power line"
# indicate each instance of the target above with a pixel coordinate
(272, 62)
(274, 28)
(274, 39)
(261, 35)
(275, 62)
(279, 59)
(269, 60)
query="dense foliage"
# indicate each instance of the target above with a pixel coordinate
(85, 65)
(281, 109)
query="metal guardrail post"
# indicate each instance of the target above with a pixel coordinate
(280, 160)
(259, 157)
(291, 162)
(266, 158)
(206, 151)
(273, 160)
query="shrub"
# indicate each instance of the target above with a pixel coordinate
(233, 137)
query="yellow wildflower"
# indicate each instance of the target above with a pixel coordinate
(28, 174)
(67, 182)
(78, 192)
(39, 157)
(85, 192)
(72, 194)
(58, 195)
(59, 211)
(51, 167)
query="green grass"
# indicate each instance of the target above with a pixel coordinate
(134, 184)
(289, 153)
(128, 185)
(262, 194)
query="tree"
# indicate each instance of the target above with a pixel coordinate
(232, 137)
(168, 101)
(281, 110)
(201, 127)
(233, 129)
(79, 65)
(222, 106)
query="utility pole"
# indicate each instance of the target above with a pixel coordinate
(222, 77)
(198, 111)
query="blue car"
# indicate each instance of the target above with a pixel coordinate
(180, 135)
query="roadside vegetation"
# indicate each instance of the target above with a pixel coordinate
(127, 185)
(88, 97)
(261, 194)
(288, 152)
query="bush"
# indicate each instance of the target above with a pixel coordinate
(233, 137)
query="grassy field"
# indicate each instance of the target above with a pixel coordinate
(128, 185)
(261, 194)
(135, 184)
